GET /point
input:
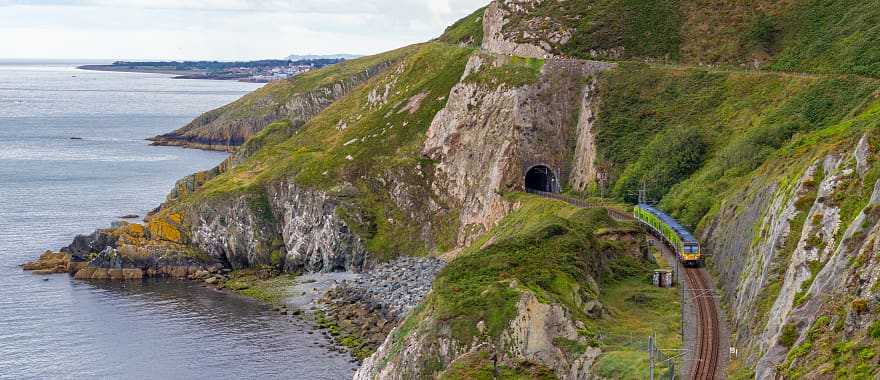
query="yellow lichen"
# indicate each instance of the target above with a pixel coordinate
(167, 228)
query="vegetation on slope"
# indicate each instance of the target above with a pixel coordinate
(238, 120)
(261, 284)
(559, 253)
(467, 31)
(727, 123)
(838, 36)
(358, 141)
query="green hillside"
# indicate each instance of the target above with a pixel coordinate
(839, 36)
(692, 134)
(376, 139)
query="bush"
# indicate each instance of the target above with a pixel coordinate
(669, 158)
(789, 335)
(859, 305)
(763, 32)
(874, 330)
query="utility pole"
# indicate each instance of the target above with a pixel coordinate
(650, 358)
(643, 192)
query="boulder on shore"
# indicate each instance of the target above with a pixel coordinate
(49, 262)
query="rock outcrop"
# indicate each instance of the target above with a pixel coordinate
(228, 127)
(123, 252)
(796, 256)
(50, 262)
(532, 336)
(498, 40)
(487, 137)
(315, 237)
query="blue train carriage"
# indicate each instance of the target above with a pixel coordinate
(686, 247)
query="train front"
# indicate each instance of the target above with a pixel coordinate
(691, 255)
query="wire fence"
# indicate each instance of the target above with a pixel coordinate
(583, 203)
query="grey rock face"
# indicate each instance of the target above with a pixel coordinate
(486, 138)
(82, 245)
(297, 229)
(496, 40)
(231, 231)
(315, 238)
(754, 232)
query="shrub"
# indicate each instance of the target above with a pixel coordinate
(789, 335)
(874, 330)
(763, 32)
(860, 305)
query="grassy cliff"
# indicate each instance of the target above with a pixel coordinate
(727, 124)
(375, 132)
(805, 35)
(295, 100)
(579, 259)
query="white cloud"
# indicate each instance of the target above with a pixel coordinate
(218, 29)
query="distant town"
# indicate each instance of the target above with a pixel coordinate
(262, 71)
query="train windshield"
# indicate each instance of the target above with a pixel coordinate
(691, 249)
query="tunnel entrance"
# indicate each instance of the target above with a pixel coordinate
(541, 178)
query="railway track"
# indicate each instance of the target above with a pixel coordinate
(708, 339)
(708, 332)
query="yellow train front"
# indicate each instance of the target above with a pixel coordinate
(667, 228)
(691, 255)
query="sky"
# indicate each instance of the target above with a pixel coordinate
(218, 29)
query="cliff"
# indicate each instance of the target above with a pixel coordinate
(296, 100)
(804, 35)
(544, 295)
(424, 151)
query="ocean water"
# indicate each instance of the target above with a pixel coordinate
(53, 187)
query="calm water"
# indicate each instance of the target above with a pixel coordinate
(52, 187)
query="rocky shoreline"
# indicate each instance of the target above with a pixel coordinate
(355, 310)
(360, 312)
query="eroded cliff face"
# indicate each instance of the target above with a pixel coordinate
(490, 134)
(315, 237)
(532, 336)
(798, 262)
(296, 229)
(501, 40)
(229, 126)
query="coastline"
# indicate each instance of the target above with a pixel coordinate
(178, 74)
(165, 140)
(135, 69)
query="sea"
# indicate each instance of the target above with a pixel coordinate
(72, 159)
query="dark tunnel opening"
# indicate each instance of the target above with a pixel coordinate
(541, 178)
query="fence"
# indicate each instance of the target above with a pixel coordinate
(582, 203)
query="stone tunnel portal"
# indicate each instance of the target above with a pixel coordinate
(542, 178)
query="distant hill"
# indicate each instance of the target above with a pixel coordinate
(295, 57)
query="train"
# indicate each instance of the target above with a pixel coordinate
(686, 247)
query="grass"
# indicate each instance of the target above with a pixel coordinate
(831, 37)
(263, 106)
(551, 249)
(378, 139)
(642, 28)
(467, 31)
(637, 309)
(837, 36)
(479, 366)
(730, 123)
(546, 247)
(261, 284)
(508, 71)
